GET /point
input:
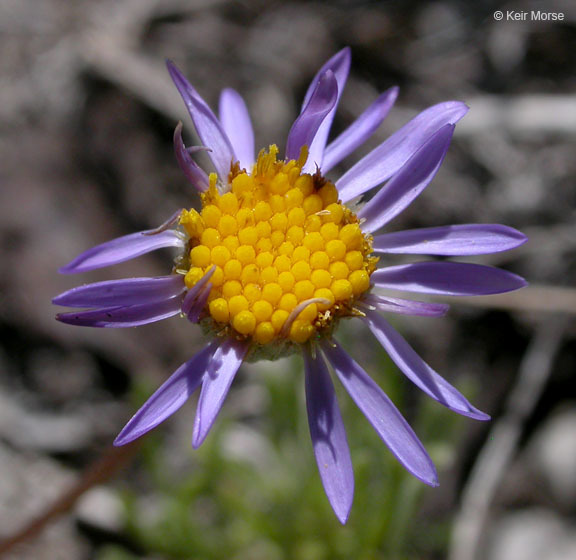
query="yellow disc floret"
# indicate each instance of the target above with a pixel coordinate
(289, 258)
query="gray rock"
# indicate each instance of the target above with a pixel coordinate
(532, 534)
(29, 484)
(552, 454)
(41, 431)
(101, 508)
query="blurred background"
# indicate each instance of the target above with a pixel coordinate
(87, 113)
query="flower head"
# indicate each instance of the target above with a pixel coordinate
(277, 256)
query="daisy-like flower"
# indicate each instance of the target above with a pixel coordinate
(279, 254)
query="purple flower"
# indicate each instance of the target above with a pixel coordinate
(279, 254)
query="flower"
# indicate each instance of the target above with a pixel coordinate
(278, 255)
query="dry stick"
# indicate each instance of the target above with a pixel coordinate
(101, 470)
(538, 298)
(501, 444)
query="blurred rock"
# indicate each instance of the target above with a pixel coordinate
(532, 534)
(292, 51)
(506, 46)
(553, 454)
(241, 443)
(61, 377)
(101, 509)
(28, 485)
(26, 428)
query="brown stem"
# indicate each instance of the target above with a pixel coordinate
(101, 470)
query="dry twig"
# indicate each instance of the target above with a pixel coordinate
(549, 299)
(102, 470)
(502, 441)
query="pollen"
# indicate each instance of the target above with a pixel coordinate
(289, 258)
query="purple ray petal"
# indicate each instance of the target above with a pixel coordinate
(417, 370)
(406, 306)
(414, 176)
(448, 278)
(130, 291)
(195, 291)
(360, 130)
(328, 436)
(219, 376)
(237, 124)
(168, 398)
(382, 414)
(339, 64)
(121, 317)
(383, 162)
(306, 125)
(122, 249)
(465, 239)
(195, 313)
(193, 172)
(208, 127)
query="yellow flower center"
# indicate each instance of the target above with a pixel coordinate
(289, 258)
